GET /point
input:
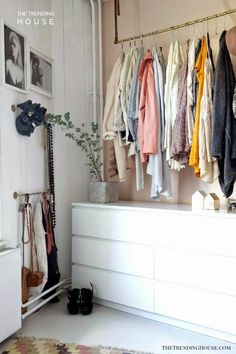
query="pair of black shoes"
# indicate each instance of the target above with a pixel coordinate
(80, 300)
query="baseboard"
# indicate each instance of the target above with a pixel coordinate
(169, 321)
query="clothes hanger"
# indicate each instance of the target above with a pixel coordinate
(122, 53)
(208, 31)
(27, 198)
(199, 31)
(148, 40)
(187, 31)
(194, 30)
(141, 41)
(225, 20)
(174, 35)
(130, 43)
(216, 26)
(203, 29)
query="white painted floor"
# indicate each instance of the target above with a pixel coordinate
(114, 328)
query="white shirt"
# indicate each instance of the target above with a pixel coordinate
(109, 110)
(208, 166)
(157, 165)
(189, 108)
(122, 98)
(175, 61)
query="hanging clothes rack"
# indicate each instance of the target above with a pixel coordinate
(16, 194)
(167, 29)
(61, 286)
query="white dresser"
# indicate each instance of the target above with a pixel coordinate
(160, 261)
(10, 292)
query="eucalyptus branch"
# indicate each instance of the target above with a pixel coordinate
(88, 142)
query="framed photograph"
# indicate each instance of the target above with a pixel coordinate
(40, 73)
(13, 59)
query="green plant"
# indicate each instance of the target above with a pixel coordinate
(89, 142)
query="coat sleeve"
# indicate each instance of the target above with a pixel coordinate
(219, 108)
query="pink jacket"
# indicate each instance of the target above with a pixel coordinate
(147, 109)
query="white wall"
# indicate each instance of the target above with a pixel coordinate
(140, 16)
(71, 46)
(22, 158)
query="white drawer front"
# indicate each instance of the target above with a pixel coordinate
(120, 288)
(196, 269)
(197, 233)
(123, 257)
(132, 226)
(10, 293)
(196, 306)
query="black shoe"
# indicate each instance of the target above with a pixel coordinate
(86, 297)
(73, 306)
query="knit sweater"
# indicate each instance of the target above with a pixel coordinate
(223, 121)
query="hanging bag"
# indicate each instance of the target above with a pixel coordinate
(35, 277)
(24, 270)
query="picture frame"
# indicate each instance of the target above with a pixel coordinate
(13, 58)
(40, 73)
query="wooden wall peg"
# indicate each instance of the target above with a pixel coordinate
(13, 108)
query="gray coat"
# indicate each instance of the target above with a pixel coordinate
(223, 121)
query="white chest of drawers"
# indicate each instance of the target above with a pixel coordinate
(10, 292)
(163, 262)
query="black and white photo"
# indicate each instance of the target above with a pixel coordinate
(40, 73)
(14, 53)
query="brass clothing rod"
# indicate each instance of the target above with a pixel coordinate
(172, 28)
(16, 195)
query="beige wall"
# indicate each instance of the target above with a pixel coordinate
(140, 16)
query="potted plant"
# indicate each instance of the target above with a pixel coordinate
(89, 142)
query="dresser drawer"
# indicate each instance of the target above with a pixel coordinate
(196, 306)
(118, 256)
(131, 226)
(10, 292)
(204, 233)
(116, 287)
(199, 270)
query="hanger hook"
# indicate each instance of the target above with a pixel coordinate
(134, 40)
(122, 45)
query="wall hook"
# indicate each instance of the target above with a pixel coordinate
(13, 108)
